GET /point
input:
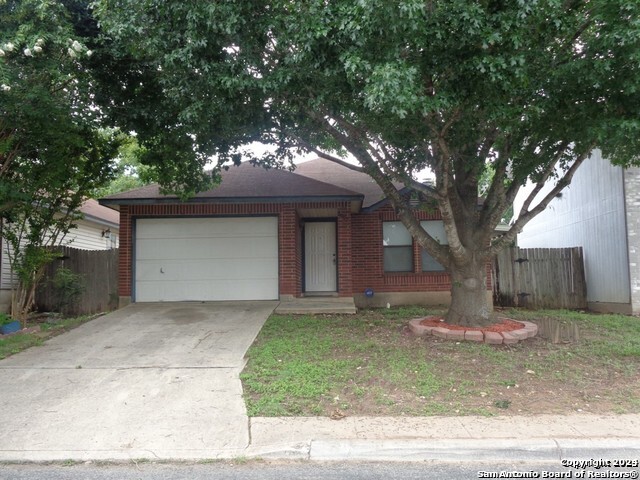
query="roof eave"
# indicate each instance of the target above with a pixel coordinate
(100, 221)
(385, 201)
(116, 202)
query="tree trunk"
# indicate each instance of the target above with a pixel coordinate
(470, 305)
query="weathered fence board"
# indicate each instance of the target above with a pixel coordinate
(99, 270)
(540, 278)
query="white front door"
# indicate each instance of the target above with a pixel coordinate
(320, 262)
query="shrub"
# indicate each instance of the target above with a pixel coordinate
(68, 287)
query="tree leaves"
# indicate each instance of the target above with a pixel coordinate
(53, 153)
(450, 85)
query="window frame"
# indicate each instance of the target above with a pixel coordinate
(406, 247)
(439, 234)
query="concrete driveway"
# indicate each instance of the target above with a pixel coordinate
(148, 381)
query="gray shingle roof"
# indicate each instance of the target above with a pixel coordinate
(335, 174)
(93, 210)
(246, 182)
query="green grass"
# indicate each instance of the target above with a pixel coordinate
(18, 342)
(608, 335)
(12, 344)
(368, 364)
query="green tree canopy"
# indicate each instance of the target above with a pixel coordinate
(53, 153)
(130, 173)
(527, 88)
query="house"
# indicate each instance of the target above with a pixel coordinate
(323, 229)
(599, 211)
(97, 230)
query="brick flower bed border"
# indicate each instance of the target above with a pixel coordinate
(474, 335)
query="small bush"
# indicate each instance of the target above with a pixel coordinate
(5, 318)
(68, 287)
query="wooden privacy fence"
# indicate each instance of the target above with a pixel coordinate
(99, 271)
(539, 278)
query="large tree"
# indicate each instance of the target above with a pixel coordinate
(525, 88)
(53, 152)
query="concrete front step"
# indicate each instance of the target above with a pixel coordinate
(317, 305)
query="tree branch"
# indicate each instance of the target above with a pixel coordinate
(526, 215)
(358, 149)
(458, 250)
(545, 176)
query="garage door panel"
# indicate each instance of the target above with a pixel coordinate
(195, 291)
(208, 248)
(226, 261)
(160, 248)
(214, 227)
(177, 270)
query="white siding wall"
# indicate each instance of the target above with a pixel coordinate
(591, 214)
(5, 274)
(88, 236)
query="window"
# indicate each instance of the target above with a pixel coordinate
(397, 247)
(435, 228)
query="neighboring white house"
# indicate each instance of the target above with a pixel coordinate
(98, 230)
(600, 212)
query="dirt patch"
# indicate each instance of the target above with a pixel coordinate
(530, 378)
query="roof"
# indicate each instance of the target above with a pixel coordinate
(336, 174)
(246, 183)
(93, 211)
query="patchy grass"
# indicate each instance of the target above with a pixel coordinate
(12, 344)
(370, 364)
(50, 326)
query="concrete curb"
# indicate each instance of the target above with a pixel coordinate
(543, 438)
(470, 451)
(453, 439)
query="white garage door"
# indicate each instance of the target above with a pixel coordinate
(182, 259)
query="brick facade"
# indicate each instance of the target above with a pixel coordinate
(345, 253)
(359, 245)
(368, 268)
(290, 260)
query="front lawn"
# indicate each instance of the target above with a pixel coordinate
(370, 364)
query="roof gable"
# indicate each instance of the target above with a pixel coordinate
(93, 211)
(335, 174)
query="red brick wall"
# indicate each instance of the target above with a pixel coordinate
(124, 265)
(289, 235)
(288, 242)
(360, 263)
(367, 259)
(345, 253)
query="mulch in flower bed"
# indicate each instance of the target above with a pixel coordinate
(503, 325)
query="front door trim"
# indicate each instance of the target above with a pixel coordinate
(304, 254)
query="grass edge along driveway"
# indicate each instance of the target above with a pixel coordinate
(49, 327)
